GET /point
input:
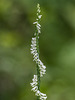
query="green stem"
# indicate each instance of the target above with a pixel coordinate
(38, 74)
(38, 70)
(37, 45)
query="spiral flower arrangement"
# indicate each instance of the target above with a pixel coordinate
(41, 68)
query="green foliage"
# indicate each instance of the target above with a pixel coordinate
(57, 48)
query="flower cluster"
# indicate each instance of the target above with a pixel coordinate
(34, 52)
(34, 84)
(38, 26)
(34, 49)
(36, 57)
(35, 89)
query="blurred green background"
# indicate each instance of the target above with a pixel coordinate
(57, 49)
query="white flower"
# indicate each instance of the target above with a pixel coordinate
(34, 52)
(36, 56)
(38, 26)
(35, 78)
(35, 22)
(34, 89)
(37, 93)
(38, 8)
(39, 16)
(43, 96)
(34, 84)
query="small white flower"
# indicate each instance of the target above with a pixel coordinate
(38, 27)
(35, 23)
(33, 42)
(33, 84)
(39, 16)
(35, 89)
(43, 96)
(35, 78)
(38, 8)
(37, 93)
(34, 38)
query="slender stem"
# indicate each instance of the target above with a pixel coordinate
(38, 73)
(35, 51)
(37, 45)
(38, 70)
